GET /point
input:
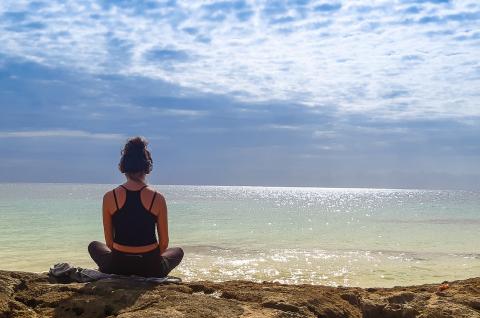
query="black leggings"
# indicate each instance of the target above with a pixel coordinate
(150, 264)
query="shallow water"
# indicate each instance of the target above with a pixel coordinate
(351, 237)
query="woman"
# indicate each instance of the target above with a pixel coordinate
(131, 213)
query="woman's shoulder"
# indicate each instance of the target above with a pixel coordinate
(152, 191)
(155, 199)
(107, 195)
(111, 192)
(113, 195)
(110, 201)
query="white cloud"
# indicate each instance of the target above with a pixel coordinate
(182, 112)
(281, 127)
(352, 58)
(324, 134)
(59, 133)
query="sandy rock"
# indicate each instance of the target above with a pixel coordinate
(32, 295)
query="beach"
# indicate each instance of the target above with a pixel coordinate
(25, 294)
(317, 158)
(253, 252)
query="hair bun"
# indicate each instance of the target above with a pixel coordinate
(136, 144)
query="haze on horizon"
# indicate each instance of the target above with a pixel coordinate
(323, 93)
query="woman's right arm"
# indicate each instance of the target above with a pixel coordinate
(107, 221)
(162, 224)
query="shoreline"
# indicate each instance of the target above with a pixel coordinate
(26, 294)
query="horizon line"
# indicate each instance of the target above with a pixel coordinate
(256, 186)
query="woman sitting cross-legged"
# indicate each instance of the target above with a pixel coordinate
(131, 214)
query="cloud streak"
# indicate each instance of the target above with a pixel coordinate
(60, 133)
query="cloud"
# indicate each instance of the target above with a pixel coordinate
(182, 112)
(281, 127)
(342, 54)
(59, 133)
(395, 94)
(468, 36)
(427, 1)
(203, 133)
(457, 17)
(324, 134)
(410, 58)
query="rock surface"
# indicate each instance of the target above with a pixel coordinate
(32, 295)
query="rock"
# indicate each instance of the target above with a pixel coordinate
(33, 295)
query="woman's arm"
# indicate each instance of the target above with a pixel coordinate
(162, 223)
(107, 222)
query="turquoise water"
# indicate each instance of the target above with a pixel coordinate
(350, 237)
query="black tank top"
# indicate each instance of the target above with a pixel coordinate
(133, 224)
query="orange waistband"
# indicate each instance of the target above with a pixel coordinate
(135, 249)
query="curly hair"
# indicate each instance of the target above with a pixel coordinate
(136, 157)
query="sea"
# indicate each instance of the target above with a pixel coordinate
(294, 235)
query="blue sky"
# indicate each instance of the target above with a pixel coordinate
(300, 93)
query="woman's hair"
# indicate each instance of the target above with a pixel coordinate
(135, 157)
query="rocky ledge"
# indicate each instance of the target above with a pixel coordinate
(33, 295)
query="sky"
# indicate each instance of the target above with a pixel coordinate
(324, 93)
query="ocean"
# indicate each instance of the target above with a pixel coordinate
(348, 237)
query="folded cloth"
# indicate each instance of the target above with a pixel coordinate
(66, 273)
(62, 269)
